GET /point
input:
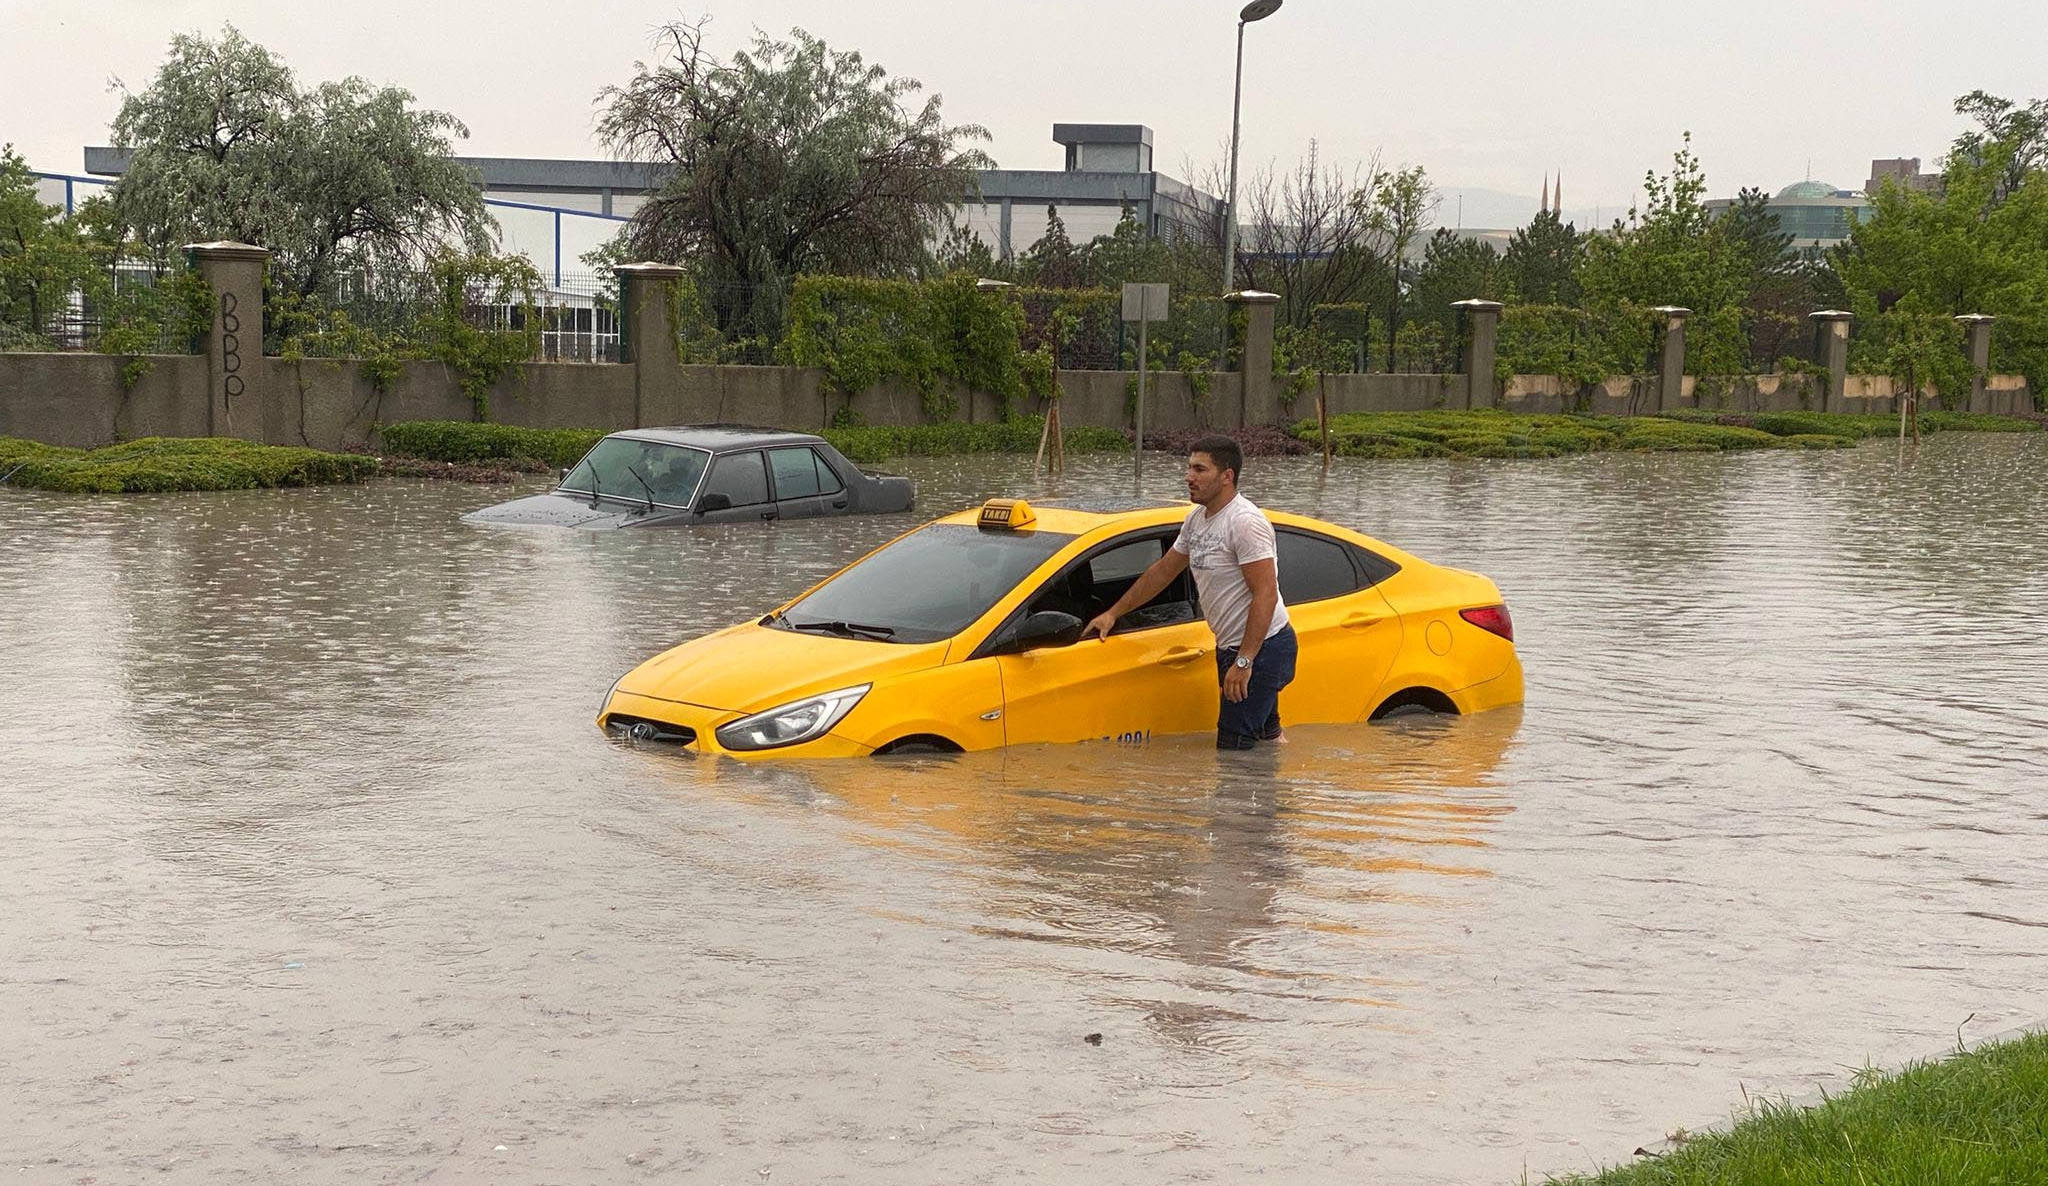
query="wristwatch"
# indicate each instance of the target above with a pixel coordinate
(1242, 663)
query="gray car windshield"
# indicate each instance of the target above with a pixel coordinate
(928, 585)
(637, 471)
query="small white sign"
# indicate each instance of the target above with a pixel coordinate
(1144, 302)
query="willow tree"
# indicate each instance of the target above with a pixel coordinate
(787, 158)
(228, 146)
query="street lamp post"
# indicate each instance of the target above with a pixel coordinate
(1257, 10)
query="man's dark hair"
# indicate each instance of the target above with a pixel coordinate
(1224, 453)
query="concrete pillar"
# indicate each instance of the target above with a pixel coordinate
(1261, 394)
(1977, 346)
(1831, 350)
(234, 346)
(1671, 358)
(1482, 334)
(647, 335)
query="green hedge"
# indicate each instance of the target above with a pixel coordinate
(466, 443)
(156, 464)
(1489, 433)
(1852, 425)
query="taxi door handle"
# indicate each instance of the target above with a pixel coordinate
(1179, 656)
(1361, 621)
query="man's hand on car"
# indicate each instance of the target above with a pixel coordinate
(1100, 625)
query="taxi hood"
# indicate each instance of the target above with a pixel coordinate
(752, 667)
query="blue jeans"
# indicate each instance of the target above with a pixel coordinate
(1256, 718)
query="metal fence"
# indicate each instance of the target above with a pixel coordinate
(387, 309)
(126, 307)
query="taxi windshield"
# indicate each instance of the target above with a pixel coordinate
(638, 471)
(928, 585)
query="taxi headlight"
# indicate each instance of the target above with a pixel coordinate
(609, 693)
(800, 720)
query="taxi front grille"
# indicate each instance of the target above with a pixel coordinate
(634, 728)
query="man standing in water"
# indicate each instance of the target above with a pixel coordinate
(1229, 543)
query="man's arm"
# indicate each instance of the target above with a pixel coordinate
(1145, 588)
(1262, 577)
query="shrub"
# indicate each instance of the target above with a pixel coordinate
(466, 443)
(158, 464)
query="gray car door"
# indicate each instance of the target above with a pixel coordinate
(804, 485)
(740, 480)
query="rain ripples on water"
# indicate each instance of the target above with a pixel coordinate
(317, 866)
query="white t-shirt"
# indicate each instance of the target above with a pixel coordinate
(1217, 546)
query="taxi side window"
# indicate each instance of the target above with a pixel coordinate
(1093, 584)
(1313, 567)
(742, 477)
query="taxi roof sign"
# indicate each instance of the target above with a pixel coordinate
(1007, 514)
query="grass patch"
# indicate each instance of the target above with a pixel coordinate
(1980, 1117)
(538, 449)
(158, 464)
(1487, 432)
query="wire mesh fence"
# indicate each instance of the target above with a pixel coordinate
(397, 311)
(124, 307)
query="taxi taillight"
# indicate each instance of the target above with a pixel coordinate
(1491, 618)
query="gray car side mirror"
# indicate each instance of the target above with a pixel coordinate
(714, 502)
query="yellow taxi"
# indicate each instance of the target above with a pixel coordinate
(963, 634)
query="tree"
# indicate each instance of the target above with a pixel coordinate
(1311, 237)
(42, 259)
(1454, 269)
(1541, 265)
(227, 146)
(961, 250)
(1128, 255)
(1401, 203)
(788, 158)
(2011, 139)
(1669, 252)
(1054, 261)
(1959, 251)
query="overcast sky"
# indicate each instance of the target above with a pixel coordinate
(1484, 95)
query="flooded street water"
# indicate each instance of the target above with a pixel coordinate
(317, 869)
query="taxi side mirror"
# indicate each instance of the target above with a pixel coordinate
(714, 502)
(1046, 628)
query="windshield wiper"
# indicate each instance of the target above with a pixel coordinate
(843, 629)
(593, 481)
(645, 484)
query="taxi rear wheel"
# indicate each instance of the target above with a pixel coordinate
(919, 743)
(1414, 702)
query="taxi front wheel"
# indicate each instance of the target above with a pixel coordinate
(924, 745)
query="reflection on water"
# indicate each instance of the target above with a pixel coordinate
(317, 866)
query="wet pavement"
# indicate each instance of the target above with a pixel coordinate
(317, 869)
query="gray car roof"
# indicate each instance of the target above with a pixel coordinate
(721, 438)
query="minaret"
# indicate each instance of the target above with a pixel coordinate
(1557, 199)
(1546, 193)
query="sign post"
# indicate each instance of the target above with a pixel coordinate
(1144, 304)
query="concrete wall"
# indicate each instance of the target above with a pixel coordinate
(77, 399)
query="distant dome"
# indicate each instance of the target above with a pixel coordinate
(1807, 189)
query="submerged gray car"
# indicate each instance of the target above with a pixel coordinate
(709, 473)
